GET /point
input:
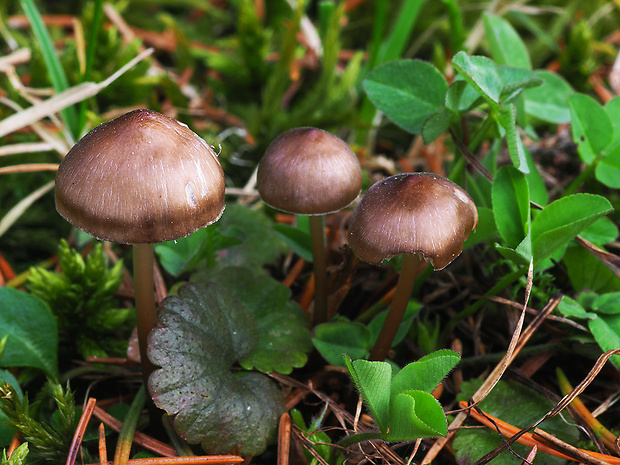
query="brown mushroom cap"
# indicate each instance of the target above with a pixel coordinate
(419, 213)
(140, 178)
(308, 171)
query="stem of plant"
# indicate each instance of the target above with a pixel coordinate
(408, 272)
(317, 234)
(145, 301)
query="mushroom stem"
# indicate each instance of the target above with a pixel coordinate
(408, 273)
(145, 301)
(317, 234)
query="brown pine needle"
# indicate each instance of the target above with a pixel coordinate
(293, 274)
(196, 460)
(80, 430)
(528, 439)
(29, 168)
(284, 439)
(103, 448)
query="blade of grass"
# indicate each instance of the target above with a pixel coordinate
(52, 62)
(125, 437)
(90, 57)
(14, 213)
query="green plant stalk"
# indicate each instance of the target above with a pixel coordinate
(52, 62)
(125, 438)
(317, 235)
(457, 32)
(144, 285)
(90, 57)
(359, 437)
(408, 272)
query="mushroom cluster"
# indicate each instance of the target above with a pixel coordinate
(139, 179)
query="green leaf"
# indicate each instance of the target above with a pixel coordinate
(472, 444)
(298, 240)
(334, 339)
(608, 304)
(573, 309)
(407, 92)
(516, 80)
(508, 120)
(32, 333)
(416, 414)
(538, 190)
(376, 324)
(511, 205)
(482, 74)
(507, 48)
(562, 220)
(591, 126)
(436, 124)
(461, 97)
(606, 332)
(182, 255)
(203, 332)
(585, 271)
(601, 232)
(607, 171)
(373, 380)
(259, 244)
(549, 102)
(284, 338)
(485, 230)
(426, 373)
(6, 432)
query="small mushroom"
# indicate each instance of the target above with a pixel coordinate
(419, 215)
(308, 171)
(139, 179)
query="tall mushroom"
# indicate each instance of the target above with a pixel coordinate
(308, 171)
(419, 215)
(139, 179)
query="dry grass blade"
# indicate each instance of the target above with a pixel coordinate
(64, 99)
(29, 168)
(14, 213)
(284, 439)
(610, 260)
(14, 149)
(531, 456)
(103, 448)
(80, 430)
(499, 369)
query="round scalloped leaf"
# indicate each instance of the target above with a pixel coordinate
(203, 331)
(284, 338)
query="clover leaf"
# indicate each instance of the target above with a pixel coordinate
(203, 333)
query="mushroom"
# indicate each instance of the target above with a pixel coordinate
(419, 215)
(139, 179)
(308, 171)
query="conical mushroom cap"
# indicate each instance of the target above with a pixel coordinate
(308, 171)
(418, 213)
(140, 178)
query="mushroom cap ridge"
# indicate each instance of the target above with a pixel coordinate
(418, 213)
(309, 171)
(140, 178)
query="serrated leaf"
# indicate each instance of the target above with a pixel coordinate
(482, 74)
(507, 48)
(406, 91)
(284, 338)
(591, 126)
(426, 373)
(511, 204)
(373, 380)
(549, 102)
(416, 414)
(203, 331)
(32, 333)
(562, 220)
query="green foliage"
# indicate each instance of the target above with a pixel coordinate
(472, 444)
(28, 331)
(18, 457)
(203, 333)
(401, 403)
(602, 314)
(340, 336)
(82, 299)
(47, 442)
